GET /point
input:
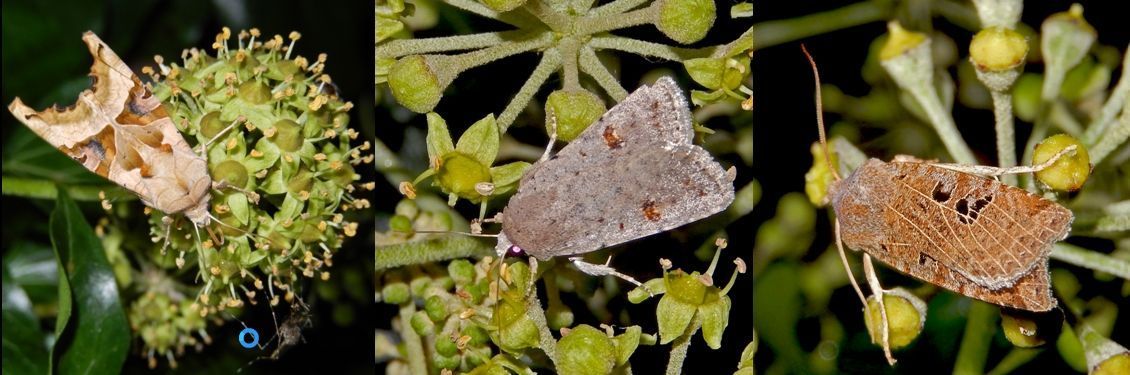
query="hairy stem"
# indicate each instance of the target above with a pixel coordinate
(616, 7)
(517, 19)
(429, 251)
(1006, 133)
(680, 345)
(590, 64)
(1091, 260)
(413, 344)
(550, 62)
(403, 47)
(644, 48)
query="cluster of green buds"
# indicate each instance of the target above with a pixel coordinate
(166, 327)
(277, 140)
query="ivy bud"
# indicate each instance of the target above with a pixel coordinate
(1065, 39)
(461, 271)
(685, 21)
(573, 111)
(436, 309)
(585, 350)
(396, 293)
(997, 49)
(906, 314)
(1026, 329)
(417, 83)
(1070, 171)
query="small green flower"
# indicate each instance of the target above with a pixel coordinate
(688, 295)
(462, 169)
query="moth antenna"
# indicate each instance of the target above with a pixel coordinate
(552, 135)
(455, 232)
(820, 113)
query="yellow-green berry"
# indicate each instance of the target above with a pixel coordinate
(573, 112)
(1070, 171)
(905, 318)
(685, 21)
(584, 351)
(899, 41)
(997, 49)
(1114, 365)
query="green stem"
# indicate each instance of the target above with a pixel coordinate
(1111, 139)
(616, 7)
(569, 47)
(403, 47)
(1113, 105)
(486, 55)
(430, 251)
(517, 19)
(545, 337)
(1014, 359)
(609, 22)
(1091, 260)
(550, 62)
(591, 65)
(556, 21)
(975, 342)
(680, 346)
(772, 33)
(413, 344)
(643, 48)
(1006, 133)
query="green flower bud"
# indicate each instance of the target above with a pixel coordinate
(1071, 349)
(211, 125)
(585, 350)
(230, 171)
(446, 362)
(478, 335)
(559, 316)
(446, 347)
(421, 324)
(1065, 39)
(900, 41)
(436, 308)
(819, 178)
(289, 135)
(906, 314)
(401, 224)
(1026, 330)
(1113, 365)
(462, 271)
(998, 49)
(396, 293)
(416, 84)
(573, 111)
(685, 21)
(1070, 171)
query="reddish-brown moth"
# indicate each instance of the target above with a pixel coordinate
(949, 225)
(119, 130)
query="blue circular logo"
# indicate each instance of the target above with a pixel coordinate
(254, 338)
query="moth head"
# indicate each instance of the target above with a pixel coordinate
(198, 213)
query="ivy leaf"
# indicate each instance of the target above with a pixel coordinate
(24, 351)
(92, 333)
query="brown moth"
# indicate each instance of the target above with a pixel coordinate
(949, 225)
(119, 130)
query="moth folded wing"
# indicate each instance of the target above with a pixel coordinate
(650, 191)
(169, 176)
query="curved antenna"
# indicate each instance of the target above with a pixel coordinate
(820, 114)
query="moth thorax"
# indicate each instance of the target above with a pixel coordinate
(198, 214)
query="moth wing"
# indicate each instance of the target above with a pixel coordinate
(118, 129)
(929, 222)
(560, 212)
(652, 116)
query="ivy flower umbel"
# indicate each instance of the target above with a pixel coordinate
(278, 142)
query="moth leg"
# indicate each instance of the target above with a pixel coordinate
(847, 267)
(605, 270)
(533, 275)
(168, 221)
(204, 147)
(873, 282)
(221, 185)
(990, 171)
(552, 136)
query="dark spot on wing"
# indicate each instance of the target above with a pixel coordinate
(923, 257)
(651, 211)
(612, 139)
(621, 226)
(963, 211)
(941, 193)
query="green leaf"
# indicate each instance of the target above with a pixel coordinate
(24, 350)
(438, 138)
(96, 341)
(480, 141)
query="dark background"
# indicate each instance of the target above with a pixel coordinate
(46, 62)
(785, 127)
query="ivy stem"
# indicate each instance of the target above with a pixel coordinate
(680, 345)
(1115, 103)
(545, 337)
(550, 62)
(1014, 359)
(590, 64)
(429, 251)
(1006, 133)
(516, 19)
(608, 22)
(644, 48)
(569, 47)
(556, 21)
(1091, 260)
(616, 7)
(772, 33)
(486, 55)
(403, 47)
(975, 342)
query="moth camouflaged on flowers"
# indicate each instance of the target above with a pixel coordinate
(119, 130)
